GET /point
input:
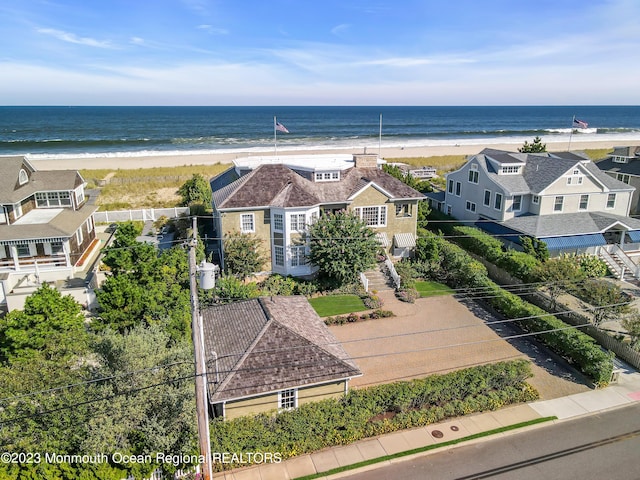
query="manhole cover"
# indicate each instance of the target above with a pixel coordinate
(454, 428)
(437, 434)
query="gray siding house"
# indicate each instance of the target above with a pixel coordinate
(624, 165)
(561, 198)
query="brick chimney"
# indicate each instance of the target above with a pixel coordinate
(365, 160)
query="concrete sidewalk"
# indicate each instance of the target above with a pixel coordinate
(626, 391)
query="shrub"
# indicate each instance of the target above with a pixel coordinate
(358, 414)
(373, 301)
(408, 295)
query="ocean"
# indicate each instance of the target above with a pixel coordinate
(86, 132)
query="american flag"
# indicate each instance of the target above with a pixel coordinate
(579, 123)
(281, 128)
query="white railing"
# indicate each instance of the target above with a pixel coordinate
(624, 258)
(613, 265)
(392, 272)
(365, 282)
(30, 262)
(143, 214)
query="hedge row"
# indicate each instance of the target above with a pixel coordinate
(517, 263)
(576, 346)
(376, 410)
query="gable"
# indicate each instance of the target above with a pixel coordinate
(370, 194)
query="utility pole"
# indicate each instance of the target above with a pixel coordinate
(201, 370)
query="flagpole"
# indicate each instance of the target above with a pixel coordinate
(380, 137)
(275, 135)
(571, 134)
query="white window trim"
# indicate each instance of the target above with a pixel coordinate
(513, 203)
(580, 202)
(295, 399)
(555, 202)
(473, 176)
(23, 177)
(276, 221)
(297, 249)
(359, 213)
(615, 197)
(495, 198)
(470, 206)
(458, 191)
(487, 204)
(278, 249)
(450, 187)
(535, 200)
(295, 226)
(253, 223)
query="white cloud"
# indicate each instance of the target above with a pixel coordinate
(73, 38)
(213, 30)
(340, 29)
(137, 41)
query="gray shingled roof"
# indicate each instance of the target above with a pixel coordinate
(632, 166)
(269, 344)
(558, 225)
(540, 170)
(62, 225)
(39, 181)
(279, 186)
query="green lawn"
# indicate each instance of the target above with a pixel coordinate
(337, 305)
(430, 289)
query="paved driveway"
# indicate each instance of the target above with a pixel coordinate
(437, 335)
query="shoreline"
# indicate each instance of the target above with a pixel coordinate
(389, 153)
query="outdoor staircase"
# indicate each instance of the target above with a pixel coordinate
(379, 279)
(619, 264)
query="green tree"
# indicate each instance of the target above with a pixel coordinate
(608, 300)
(534, 147)
(229, 288)
(537, 248)
(50, 324)
(196, 191)
(558, 275)
(341, 246)
(243, 254)
(631, 324)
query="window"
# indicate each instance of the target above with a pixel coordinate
(574, 180)
(298, 221)
(56, 248)
(80, 196)
(497, 204)
(314, 217)
(23, 250)
(470, 206)
(79, 236)
(89, 224)
(458, 189)
(247, 224)
(403, 210)
(557, 206)
(298, 258)
(278, 256)
(617, 159)
(624, 178)
(327, 176)
(611, 200)
(53, 199)
(278, 221)
(17, 210)
(473, 176)
(288, 399)
(450, 190)
(511, 169)
(373, 216)
(584, 202)
(487, 198)
(535, 199)
(517, 203)
(23, 177)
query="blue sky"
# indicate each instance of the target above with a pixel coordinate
(307, 52)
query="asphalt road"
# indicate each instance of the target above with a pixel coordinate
(602, 446)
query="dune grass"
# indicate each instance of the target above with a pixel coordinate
(337, 305)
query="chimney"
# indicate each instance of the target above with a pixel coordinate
(365, 160)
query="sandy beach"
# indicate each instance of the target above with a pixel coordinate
(152, 161)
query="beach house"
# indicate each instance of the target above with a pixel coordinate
(276, 198)
(46, 226)
(271, 353)
(624, 165)
(561, 198)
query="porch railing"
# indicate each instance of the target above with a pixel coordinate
(392, 271)
(29, 263)
(631, 267)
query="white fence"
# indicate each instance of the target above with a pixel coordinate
(143, 214)
(392, 272)
(365, 282)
